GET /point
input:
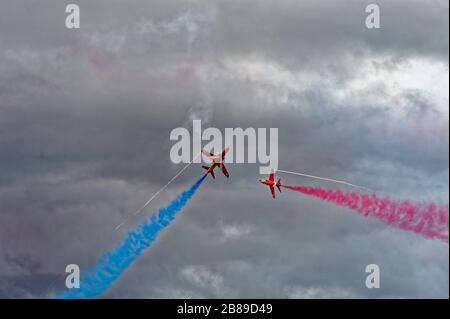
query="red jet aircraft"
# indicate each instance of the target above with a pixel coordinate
(271, 183)
(217, 161)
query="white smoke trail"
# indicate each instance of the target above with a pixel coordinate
(158, 192)
(326, 179)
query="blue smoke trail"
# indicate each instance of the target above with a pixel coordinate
(111, 265)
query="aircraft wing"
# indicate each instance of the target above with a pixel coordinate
(272, 190)
(224, 152)
(224, 170)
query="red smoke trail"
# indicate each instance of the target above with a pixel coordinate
(429, 220)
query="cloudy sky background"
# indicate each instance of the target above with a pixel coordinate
(85, 118)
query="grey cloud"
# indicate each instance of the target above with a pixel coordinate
(85, 119)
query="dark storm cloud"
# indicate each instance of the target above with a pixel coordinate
(85, 118)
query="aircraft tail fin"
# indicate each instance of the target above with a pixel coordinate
(279, 184)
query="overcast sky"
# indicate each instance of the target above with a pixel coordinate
(85, 118)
